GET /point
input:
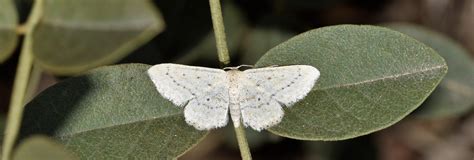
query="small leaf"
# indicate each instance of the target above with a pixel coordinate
(259, 41)
(8, 24)
(73, 36)
(42, 148)
(371, 77)
(235, 27)
(454, 94)
(109, 113)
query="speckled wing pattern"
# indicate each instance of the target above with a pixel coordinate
(260, 95)
(265, 90)
(203, 91)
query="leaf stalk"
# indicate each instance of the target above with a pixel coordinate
(219, 32)
(243, 145)
(17, 102)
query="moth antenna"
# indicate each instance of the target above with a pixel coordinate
(246, 65)
(273, 65)
(238, 67)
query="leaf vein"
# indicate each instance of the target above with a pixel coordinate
(380, 79)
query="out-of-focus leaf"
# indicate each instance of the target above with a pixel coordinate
(235, 27)
(455, 94)
(72, 36)
(371, 77)
(179, 15)
(42, 148)
(8, 24)
(259, 41)
(111, 113)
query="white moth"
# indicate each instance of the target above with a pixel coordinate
(255, 95)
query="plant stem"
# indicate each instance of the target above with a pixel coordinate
(243, 145)
(219, 32)
(17, 102)
(224, 58)
(20, 85)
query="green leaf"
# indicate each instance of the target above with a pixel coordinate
(235, 27)
(371, 77)
(109, 113)
(42, 148)
(73, 36)
(259, 41)
(8, 24)
(453, 96)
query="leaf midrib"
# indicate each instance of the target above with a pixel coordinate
(380, 79)
(116, 125)
(103, 26)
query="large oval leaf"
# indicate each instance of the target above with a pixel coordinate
(73, 36)
(371, 77)
(8, 24)
(112, 112)
(454, 94)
